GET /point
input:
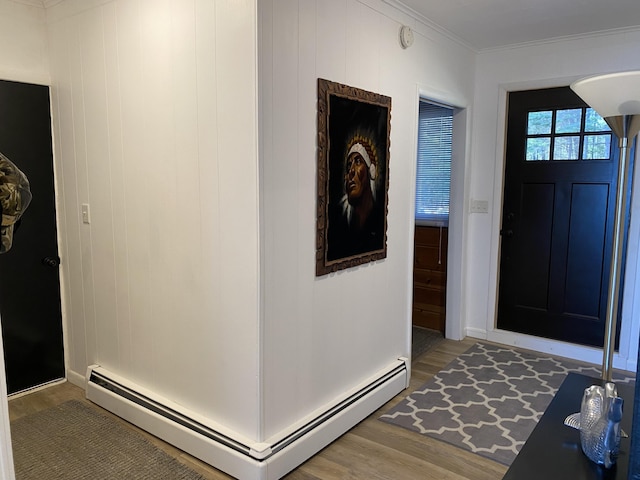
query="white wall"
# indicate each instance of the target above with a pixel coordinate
(536, 66)
(323, 336)
(155, 117)
(23, 43)
(155, 127)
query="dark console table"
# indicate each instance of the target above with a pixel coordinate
(553, 451)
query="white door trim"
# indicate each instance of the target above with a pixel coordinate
(6, 452)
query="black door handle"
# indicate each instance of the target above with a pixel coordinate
(506, 233)
(51, 261)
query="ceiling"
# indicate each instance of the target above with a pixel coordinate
(488, 24)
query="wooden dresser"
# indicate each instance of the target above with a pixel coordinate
(430, 277)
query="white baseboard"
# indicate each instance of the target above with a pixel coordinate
(581, 353)
(77, 379)
(475, 333)
(232, 453)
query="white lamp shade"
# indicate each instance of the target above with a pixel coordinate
(611, 95)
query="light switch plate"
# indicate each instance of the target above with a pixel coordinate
(85, 213)
(479, 206)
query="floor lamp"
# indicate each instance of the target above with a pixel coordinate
(616, 97)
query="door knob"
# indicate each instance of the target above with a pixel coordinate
(51, 261)
(506, 233)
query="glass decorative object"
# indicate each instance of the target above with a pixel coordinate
(600, 416)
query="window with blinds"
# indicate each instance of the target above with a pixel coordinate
(435, 125)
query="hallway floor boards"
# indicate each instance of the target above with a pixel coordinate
(372, 450)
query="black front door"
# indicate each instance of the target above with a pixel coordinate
(557, 219)
(29, 282)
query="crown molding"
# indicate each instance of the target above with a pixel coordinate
(31, 3)
(402, 7)
(565, 38)
(407, 10)
(38, 3)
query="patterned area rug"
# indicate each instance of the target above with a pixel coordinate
(488, 400)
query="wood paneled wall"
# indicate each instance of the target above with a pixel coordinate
(430, 277)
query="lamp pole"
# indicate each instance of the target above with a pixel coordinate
(616, 97)
(621, 125)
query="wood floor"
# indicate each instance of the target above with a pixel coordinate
(372, 450)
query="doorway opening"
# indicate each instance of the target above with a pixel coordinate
(433, 188)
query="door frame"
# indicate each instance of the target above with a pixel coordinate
(6, 450)
(45, 330)
(456, 257)
(7, 468)
(626, 358)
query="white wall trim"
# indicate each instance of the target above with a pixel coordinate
(6, 451)
(579, 353)
(456, 258)
(76, 379)
(563, 39)
(60, 9)
(31, 3)
(475, 333)
(223, 448)
(400, 6)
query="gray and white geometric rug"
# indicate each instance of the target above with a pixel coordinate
(488, 400)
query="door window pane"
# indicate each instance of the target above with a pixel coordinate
(538, 149)
(566, 148)
(597, 147)
(567, 134)
(593, 122)
(568, 121)
(539, 123)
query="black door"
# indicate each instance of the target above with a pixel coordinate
(29, 281)
(558, 209)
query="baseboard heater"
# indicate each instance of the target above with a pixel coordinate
(230, 452)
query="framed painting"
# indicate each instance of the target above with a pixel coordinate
(354, 129)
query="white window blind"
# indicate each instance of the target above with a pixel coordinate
(435, 127)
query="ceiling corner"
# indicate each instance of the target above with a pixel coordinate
(50, 3)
